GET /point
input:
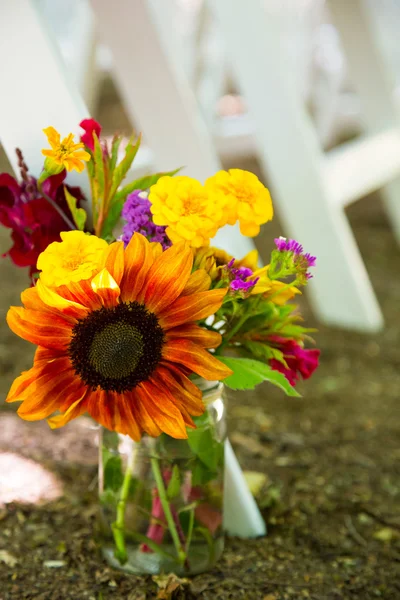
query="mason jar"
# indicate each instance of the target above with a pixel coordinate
(161, 499)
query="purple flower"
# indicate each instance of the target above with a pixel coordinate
(239, 277)
(284, 245)
(290, 259)
(136, 212)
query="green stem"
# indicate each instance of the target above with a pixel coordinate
(166, 508)
(231, 333)
(283, 289)
(118, 527)
(70, 224)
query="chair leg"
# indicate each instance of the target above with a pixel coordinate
(341, 293)
(372, 79)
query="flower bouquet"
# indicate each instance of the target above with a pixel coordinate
(139, 326)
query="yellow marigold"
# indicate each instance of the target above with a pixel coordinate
(74, 259)
(243, 197)
(184, 207)
(64, 153)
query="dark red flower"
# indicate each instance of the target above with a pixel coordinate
(300, 362)
(89, 126)
(33, 219)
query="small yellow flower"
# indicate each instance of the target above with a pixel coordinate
(243, 197)
(64, 154)
(210, 259)
(183, 205)
(76, 258)
(277, 291)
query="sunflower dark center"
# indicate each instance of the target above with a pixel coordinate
(116, 348)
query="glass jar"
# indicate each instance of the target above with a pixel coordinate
(161, 499)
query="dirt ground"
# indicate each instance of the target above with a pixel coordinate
(331, 461)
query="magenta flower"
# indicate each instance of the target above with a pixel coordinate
(90, 126)
(300, 361)
(35, 223)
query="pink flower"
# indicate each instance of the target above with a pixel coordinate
(156, 530)
(300, 362)
(90, 126)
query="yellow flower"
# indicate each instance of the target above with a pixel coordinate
(74, 259)
(64, 154)
(277, 291)
(250, 261)
(183, 205)
(243, 197)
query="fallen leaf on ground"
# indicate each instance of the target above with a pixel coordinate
(255, 481)
(168, 584)
(384, 535)
(54, 564)
(8, 558)
(250, 444)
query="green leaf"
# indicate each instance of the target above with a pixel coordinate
(202, 474)
(113, 476)
(121, 170)
(111, 219)
(144, 183)
(206, 447)
(78, 214)
(174, 486)
(189, 531)
(263, 352)
(139, 537)
(116, 142)
(99, 179)
(247, 373)
(203, 531)
(108, 497)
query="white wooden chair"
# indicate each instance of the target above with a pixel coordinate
(312, 188)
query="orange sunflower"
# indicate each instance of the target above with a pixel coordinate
(120, 344)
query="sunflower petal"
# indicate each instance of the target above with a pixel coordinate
(54, 332)
(38, 383)
(75, 410)
(30, 299)
(199, 335)
(139, 401)
(184, 391)
(115, 261)
(44, 356)
(47, 398)
(163, 412)
(21, 383)
(195, 358)
(192, 308)
(199, 281)
(167, 278)
(101, 406)
(81, 292)
(129, 419)
(138, 260)
(106, 288)
(157, 249)
(66, 307)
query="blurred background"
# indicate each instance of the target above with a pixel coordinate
(304, 93)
